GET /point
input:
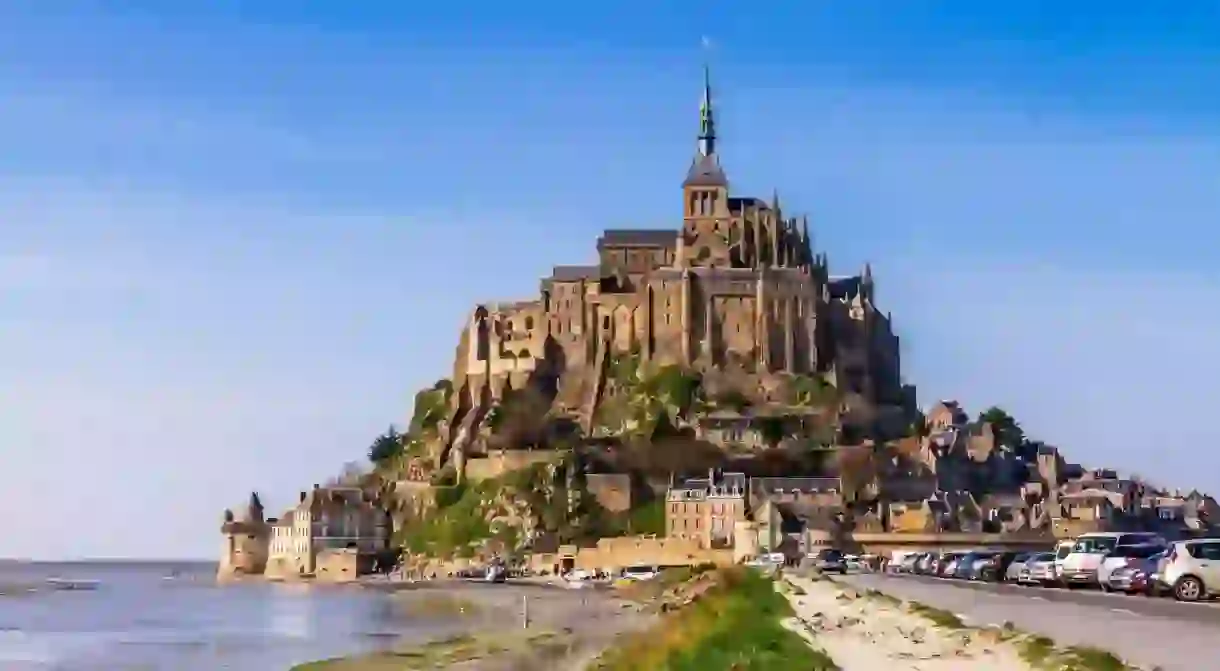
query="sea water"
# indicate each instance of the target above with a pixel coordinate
(154, 616)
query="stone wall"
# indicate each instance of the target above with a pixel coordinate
(342, 565)
(618, 553)
(288, 567)
(499, 462)
(910, 517)
(243, 553)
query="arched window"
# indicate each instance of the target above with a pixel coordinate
(529, 323)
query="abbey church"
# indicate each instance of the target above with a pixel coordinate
(737, 285)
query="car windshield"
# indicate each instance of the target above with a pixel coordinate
(1063, 552)
(1094, 545)
(831, 555)
(1045, 556)
(1136, 551)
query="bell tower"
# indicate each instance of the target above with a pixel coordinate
(706, 189)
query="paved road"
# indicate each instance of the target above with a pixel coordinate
(1147, 632)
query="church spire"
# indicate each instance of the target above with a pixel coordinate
(707, 117)
(705, 169)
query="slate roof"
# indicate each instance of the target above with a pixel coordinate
(842, 287)
(705, 170)
(638, 237)
(574, 273)
(763, 486)
(737, 204)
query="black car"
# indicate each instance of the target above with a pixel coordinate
(830, 560)
(995, 569)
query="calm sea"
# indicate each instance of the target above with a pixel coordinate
(174, 617)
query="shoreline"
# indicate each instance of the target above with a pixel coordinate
(497, 627)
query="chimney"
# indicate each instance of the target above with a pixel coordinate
(316, 486)
(302, 499)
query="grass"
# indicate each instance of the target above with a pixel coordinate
(1041, 652)
(877, 595)
(1037, 651)
(937, 616)
(531, 649)
(737, 625)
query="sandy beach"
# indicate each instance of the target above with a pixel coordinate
(503, 627)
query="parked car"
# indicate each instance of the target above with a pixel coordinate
(829, 561)
(982, 564)
(1192, 569)
(1138, 577)
(1122, 557)
(1081, 565)
(1039, 570)
(1062, 550)
(961, 565)
(968, 564)
(948, 564)
(1008, 569)
(1145, 580)
(924, 563)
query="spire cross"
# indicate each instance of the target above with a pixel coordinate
(707, 118)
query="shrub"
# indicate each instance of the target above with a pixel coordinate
(735, 625)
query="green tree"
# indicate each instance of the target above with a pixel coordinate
(772, 430)
(1008, 431)
(386, 446)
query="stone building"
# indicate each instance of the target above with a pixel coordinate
(706, 510)
(245, 541)
(737, 284)
(332, 533)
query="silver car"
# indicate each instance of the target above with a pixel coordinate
(1018, 565)
(1039, 570)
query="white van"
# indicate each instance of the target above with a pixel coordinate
(1080, 566)
(640, 572)
(1062, 550)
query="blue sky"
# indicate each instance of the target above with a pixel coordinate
(235, 237)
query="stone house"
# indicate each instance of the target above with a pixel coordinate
(332, 533)
(706, 510)
(818, 491)
(1088, 510)
(946, 415)
(747, 430)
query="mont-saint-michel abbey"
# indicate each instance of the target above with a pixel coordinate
(704, 393)
(736, 284)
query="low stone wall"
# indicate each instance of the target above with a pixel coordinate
(342, 565)
(614, 554)
(499, 462)
(286, 567)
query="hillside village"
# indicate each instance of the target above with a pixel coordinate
(701, 394)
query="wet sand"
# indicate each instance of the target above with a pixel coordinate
(503, 627)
